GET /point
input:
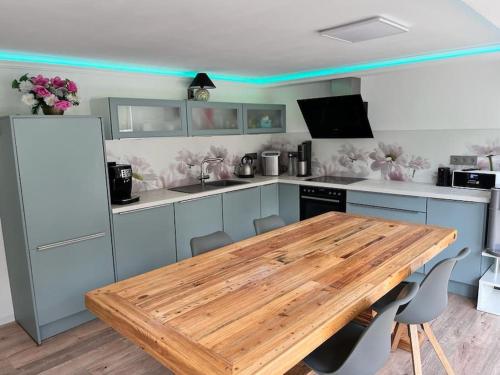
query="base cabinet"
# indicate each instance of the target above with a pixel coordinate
(144, 240)
(269, 200)
(289, 203)
(240, 209)
(391, 207)
(194, 218)
(470, 221)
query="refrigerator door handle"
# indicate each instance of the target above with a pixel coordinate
(70, 242)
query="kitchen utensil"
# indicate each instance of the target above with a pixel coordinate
(245, 169)
(292, 163)
(302, 168)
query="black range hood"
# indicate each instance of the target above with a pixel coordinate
(336, 117)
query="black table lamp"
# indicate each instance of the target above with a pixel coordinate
(201, 82)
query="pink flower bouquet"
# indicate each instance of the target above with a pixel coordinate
(53, 95)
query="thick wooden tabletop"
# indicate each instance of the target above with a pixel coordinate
(261, 305)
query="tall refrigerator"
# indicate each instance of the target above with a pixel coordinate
(54, 209)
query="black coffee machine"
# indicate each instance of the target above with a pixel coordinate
(120, 183)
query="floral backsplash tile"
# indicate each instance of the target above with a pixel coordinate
(391, 155)
(165, 163)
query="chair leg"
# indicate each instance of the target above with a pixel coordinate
(415, 349)
(398, 333)
(437, 348)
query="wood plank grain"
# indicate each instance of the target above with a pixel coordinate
(260, 305)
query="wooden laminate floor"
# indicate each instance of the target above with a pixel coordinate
(471, 340)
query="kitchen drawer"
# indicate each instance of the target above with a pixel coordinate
(387, 213)
(401, 202)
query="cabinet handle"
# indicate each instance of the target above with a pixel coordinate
(319, 199)
(70, 242)
(386, 208)
(198, 199)
(144, 209)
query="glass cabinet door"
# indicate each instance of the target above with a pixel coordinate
(264, 118)
(214, 118)
(138, 118)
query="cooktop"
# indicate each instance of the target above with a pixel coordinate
(336, 179)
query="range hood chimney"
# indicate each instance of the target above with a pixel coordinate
(342, 115)
(346, 86)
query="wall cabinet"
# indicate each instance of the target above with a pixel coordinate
(207, 118)
(289, 203)
(141, 118)
(56, 225)
(470, 221)
(269, 200)
(240, 209)
(144, 240)
(194, 218)
(264, 118)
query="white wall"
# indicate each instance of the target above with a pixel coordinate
(95, 84)
(453, 95)
(456, 94)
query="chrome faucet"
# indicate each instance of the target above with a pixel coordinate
(205, 176)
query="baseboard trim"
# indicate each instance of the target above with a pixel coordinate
(7, 319)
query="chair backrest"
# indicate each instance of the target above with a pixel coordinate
(374, 346)
(432, 297)
(200, 245)
(268, 223)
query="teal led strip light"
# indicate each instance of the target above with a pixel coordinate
(280, 78)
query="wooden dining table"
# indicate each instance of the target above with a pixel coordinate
(259, 306)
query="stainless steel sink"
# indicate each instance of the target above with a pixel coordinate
(212, 185)
(225, 183)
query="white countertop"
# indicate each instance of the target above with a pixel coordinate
(164, 196)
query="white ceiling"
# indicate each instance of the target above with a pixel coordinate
(489, 9)
(258, 37)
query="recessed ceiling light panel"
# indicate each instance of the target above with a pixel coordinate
(367, 29)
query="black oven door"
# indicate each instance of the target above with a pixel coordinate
(314, 206)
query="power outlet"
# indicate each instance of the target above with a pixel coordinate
(463, 160)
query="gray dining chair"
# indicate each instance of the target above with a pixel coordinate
(212, 241)
(356, 350)
(267, 224)
(429, 303)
